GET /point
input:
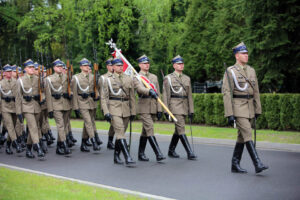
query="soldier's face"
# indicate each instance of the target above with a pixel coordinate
(118, 68)
(7, 75)
(58, 69)
(85, 68)
(14, 74)
(30, 70)
(178, 67)
(242, 57)
(36, 71)
(144, 66)
(110, 68)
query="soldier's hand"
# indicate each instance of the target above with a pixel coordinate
(153, 94)
(191, 116)
(132, 117)
(50, 114)
(256, 116)
(231, 120)
(77, 113)
(20, 117)
(159, 115)
(108, 117)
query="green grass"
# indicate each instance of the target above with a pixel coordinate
(18, 185)
(291, 137)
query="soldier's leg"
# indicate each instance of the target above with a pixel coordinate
(111, 133)
(2, 134)
(68, 127)
(120, 125)
(98, 140)
(180, 127)
(84, 139)
(8, 145)
(244, 126)
(147, 128)
(86, 115)
(61, 148)
(20, 135)
(237, 155)
(174, 141)
(40, 121)
(32, 122)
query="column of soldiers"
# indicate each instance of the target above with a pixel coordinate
(21, 98)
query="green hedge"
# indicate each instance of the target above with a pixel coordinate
(279, 111)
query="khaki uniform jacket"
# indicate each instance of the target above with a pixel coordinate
(84, 81)
(117, 107)
(52, 84)
(178, 106)
(23, 106)
(8, 89)
(147, 105)
(101, 81)
(241, 107)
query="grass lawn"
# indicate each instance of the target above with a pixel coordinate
(292, 137)
(23, 185)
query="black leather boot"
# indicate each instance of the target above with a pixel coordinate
(259, 166)
(39, 150)
(26, 133)
(88, 143)
(65, 147)
(142, 146)
(72, 137)
(51, 135)
(8, 149)
(48, 139)
(188, 149)
(99, 142)
(124, 148)
(2, 136)
(110, 144)
(44, 137)
(83, 146)
(43, 146)
(59, 149)
(23, 141)
(172, 146)
(17, 146)
(69, 141)
(117, 159)
(96, 147)
(29, 154)
(156, 149)
(236, 158)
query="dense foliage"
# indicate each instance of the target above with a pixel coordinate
(202, 31)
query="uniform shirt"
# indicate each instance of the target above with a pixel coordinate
(176, 85)
(8, 90)
(247, 85)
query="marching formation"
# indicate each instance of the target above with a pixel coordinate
(35, 94)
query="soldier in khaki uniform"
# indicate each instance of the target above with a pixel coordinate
(57, 98)
(177, 95)
(83, 102)
(118, 104)
(8, 108)
(148, 109)
(110, 71)
(93, 115)
(240, 81)
(27, 103)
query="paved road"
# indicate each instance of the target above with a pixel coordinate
(207, 178)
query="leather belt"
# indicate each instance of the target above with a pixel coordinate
(145, 97)
(8, 99)
(118, 99)
(243, 96)
(180, 97)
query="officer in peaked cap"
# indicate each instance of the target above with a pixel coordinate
(177, 95)
(109, 73)
(8, 108)
(27, 103)
(243, 106)
(148, 109)
(83, 103)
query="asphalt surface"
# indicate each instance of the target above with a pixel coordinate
(207, 178)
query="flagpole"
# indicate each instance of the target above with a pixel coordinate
(113, 45)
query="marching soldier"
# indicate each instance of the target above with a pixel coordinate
(109, 73)
(242, 104)
(177, 95)
(83, 102)
(27, 103)
(118, 104)
(58, 104)
(8, 108)
(148, 109)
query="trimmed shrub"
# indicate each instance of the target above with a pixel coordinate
(272, 112)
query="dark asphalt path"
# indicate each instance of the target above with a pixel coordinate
(207, 178)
